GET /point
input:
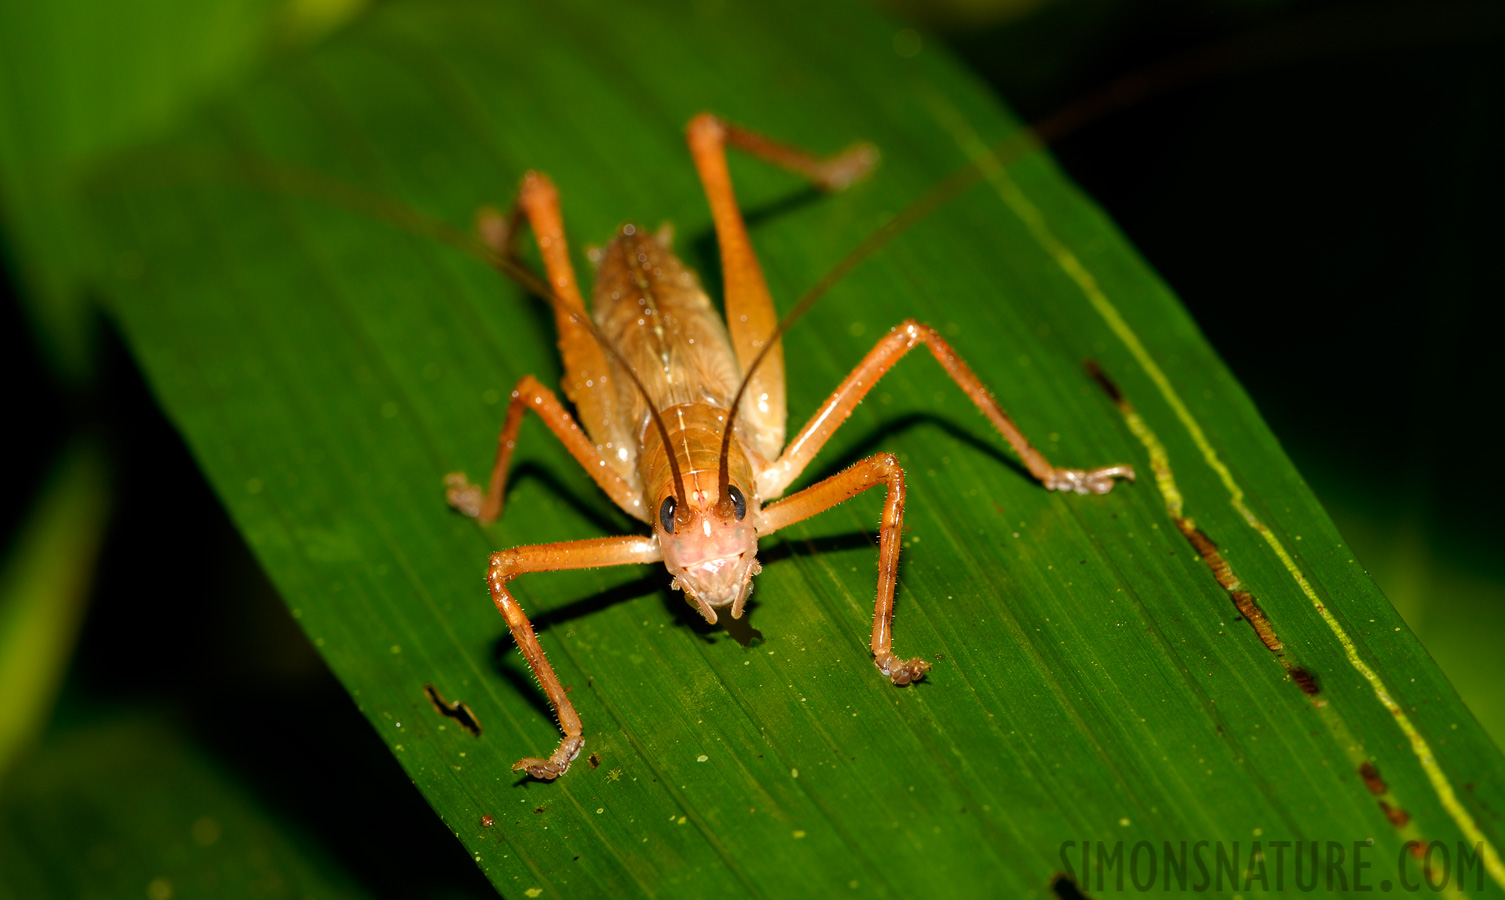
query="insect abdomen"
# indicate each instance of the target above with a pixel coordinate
(655, 313)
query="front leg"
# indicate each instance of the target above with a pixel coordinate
(773, 480)
(507, 565)
(882, 469)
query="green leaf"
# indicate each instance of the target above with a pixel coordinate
(80, 79)
(1093, 681)
(44, 586)
(129, 805)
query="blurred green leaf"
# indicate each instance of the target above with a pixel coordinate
(44, 585)
(1093, 681)
(131, 806)
(80, 79)
(1450, 591)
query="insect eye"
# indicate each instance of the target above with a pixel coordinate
(666, 515)
(739, 502)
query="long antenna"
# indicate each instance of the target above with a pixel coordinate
(1285, 42)
(294, 180)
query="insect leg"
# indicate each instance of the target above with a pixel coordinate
(829, 173)
(889, 350)
(750, 316)
(882, 469)
(529, 394)
(587, 379)
(507, 565)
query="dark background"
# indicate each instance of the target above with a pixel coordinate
(1330, 213)
(1331, 217)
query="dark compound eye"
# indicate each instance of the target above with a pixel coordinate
(739, 502)
(666, 515)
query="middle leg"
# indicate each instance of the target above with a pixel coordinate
(778, 476)
(529, 394)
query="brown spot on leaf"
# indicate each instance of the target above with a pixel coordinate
(1104, 381)
(539, 810)
(1372, 779)
(595, 760)
(456, 710)
(1209, 553)
(1305, 680)
(1223, 572)
(1242, 599)
(1397, 816)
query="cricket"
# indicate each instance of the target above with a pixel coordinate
(682, 415)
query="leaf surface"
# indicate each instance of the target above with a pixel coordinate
(1093, 680)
